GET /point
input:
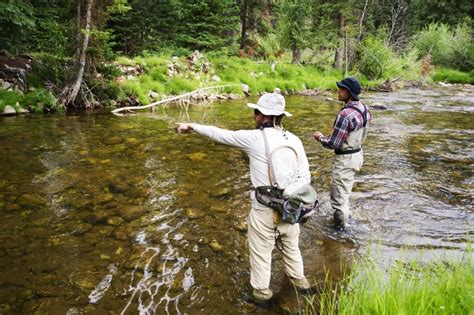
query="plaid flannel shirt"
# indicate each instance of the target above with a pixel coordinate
(347, 120)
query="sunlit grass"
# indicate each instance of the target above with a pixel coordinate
(404, 287)
(453, 76)
(260, 75)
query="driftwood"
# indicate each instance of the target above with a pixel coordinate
(171, 99)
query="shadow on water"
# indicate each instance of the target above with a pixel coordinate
(122, 215)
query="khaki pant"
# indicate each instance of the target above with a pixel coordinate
(261, 237)
(344, 169)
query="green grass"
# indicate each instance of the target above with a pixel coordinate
(402, 288)
(36, 100)
(258, 75)
(453, 76)
(8, 97)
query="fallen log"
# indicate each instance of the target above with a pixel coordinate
(171, 99)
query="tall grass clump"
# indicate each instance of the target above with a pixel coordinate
(409, 287)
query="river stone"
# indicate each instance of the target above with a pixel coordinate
(86, 285)
(12, 207)
(97, 216)
(221, 192)
(123, 233)
(216, 246)
(197, 156)
(37, 233)
(181, 193)
(115, 221)
(104, 198)
(130, 213)
(46, 265)
(79, 228)
(132, 140)
(241, 225)
(9, 110)
(193, 213)
(28, 200)
(137, 192)
(119, 187)
(220, 208)
(112, 140)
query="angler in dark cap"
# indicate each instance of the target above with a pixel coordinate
(349, 132)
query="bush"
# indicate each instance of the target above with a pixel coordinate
(452, 48)
(375, 57)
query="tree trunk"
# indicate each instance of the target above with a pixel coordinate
(71, 98)
(339, 57)
(243, 18)
(361, 21)
(296, 54)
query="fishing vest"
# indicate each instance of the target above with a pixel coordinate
(353, 142)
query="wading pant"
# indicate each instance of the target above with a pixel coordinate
(344, 169)
(261, 237)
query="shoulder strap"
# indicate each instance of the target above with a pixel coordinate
(363, 114)
(269, 158)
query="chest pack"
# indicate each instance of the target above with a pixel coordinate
(294, 207)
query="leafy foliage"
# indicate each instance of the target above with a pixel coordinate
(448, 47)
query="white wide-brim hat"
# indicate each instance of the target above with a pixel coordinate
(270, 104)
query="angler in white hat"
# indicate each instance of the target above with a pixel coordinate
(291, 169)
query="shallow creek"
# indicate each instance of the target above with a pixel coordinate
(121, 215)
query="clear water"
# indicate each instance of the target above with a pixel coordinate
(122, 215)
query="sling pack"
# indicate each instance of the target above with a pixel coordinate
(294, 207)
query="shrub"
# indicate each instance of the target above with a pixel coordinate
(375, 57)
(448, 47)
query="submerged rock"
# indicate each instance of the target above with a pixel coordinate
(221, 192)
(197, 156)
(193, 213)
(28, 200)
(115, 221)
(112, 140)
(241, 225)
(216, 246)
(130, 213)
(104, 198)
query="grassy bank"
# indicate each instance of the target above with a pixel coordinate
(260, 76)
(220, 70)
(453, 76)
(409, 287)
(38, 101)
(153, 77)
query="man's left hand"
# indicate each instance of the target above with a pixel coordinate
(317, 135)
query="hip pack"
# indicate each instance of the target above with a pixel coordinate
(294, 207)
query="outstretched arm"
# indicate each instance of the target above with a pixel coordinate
(242, 139)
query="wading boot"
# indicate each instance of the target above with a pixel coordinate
(261, 298)
(302, 285)
(339, 222)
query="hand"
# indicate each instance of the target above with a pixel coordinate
(317, 135)
(184, 127)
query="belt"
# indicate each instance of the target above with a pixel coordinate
(340, 152)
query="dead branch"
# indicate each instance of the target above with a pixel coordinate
(172, 99)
